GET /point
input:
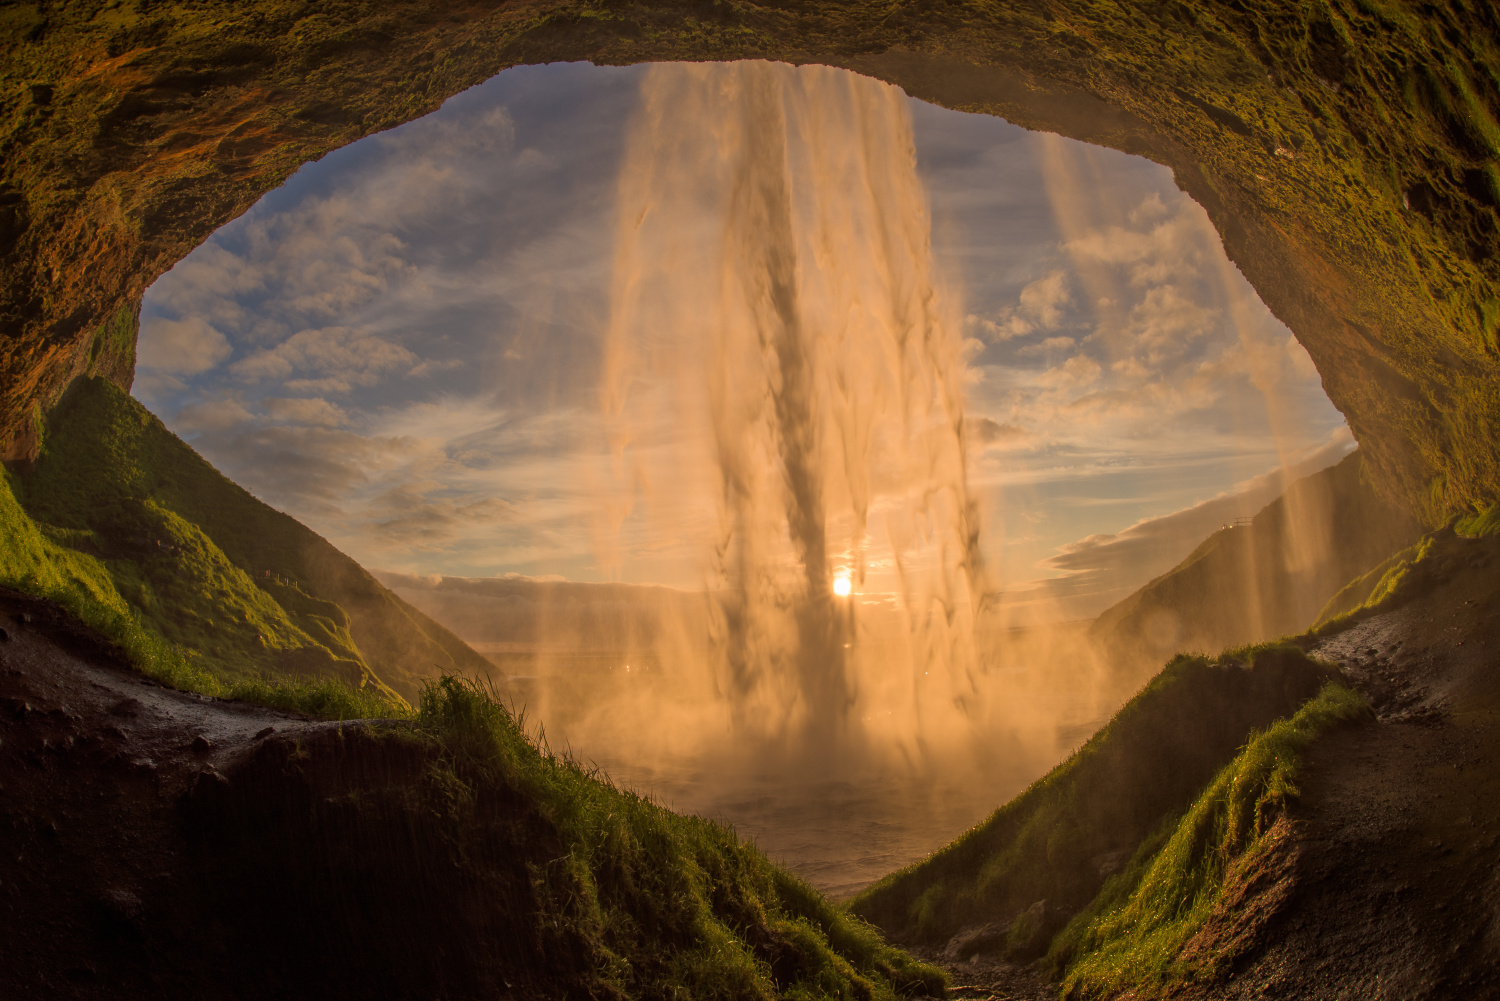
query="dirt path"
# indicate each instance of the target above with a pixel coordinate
(1395, 890)
(92, 759)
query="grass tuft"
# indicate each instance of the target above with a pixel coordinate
(1481, 525)
(669, 905)
(1372, 592)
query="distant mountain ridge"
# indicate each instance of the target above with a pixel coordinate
(1255, 581)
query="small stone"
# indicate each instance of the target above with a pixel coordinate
(263, 734)
(4, 636)
(202, 745)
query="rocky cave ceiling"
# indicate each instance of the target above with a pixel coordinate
(1347, 151)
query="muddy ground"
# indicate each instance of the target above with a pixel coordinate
(1389, 888)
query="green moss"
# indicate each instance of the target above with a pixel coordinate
(1134, 936)
(1372, 592)
(1481, 525)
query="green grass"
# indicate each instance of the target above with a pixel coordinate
(1480, 525)
(242, 589)
(1135, 936)
(1147, 764)
(669, 905)
(83, 585)
(1371, 592)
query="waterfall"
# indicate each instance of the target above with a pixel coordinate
(783, 393)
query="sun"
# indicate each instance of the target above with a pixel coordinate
(842, 585)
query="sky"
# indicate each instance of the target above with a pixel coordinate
(401, 347)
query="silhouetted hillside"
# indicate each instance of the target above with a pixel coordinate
(1253, 582)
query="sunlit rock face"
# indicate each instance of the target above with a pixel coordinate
(1347, 158)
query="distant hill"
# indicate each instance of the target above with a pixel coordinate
(520, 612)
(239, 587)
(1255, 581)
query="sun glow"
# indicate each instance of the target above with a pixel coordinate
(842, 585)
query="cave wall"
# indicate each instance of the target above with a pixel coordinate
(1348, 152)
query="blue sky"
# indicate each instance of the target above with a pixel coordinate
(401, 346)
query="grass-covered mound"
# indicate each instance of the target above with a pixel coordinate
(1059, 840)
(126, 526)
(1142, 932)
(447, 855)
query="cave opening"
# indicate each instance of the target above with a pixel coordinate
(404, 346)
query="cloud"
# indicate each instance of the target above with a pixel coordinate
(212, 415)
(1044, 298)
(313, 412)
(1051, 345)
(989, 432)
(342, 356)
(1039, 306)
(180, 347)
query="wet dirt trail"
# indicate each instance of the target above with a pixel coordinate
(93, 759)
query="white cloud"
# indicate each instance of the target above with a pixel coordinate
(212, 415)
(342, 356)
(1044, 298)
(180, 347)
(313, 412)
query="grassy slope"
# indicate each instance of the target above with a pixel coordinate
(515, 874)
(211, 569)
(1136, 933)
(31, 562)
(1253, 583)
(1142, 930)
(576, 889)
(1144, 767)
